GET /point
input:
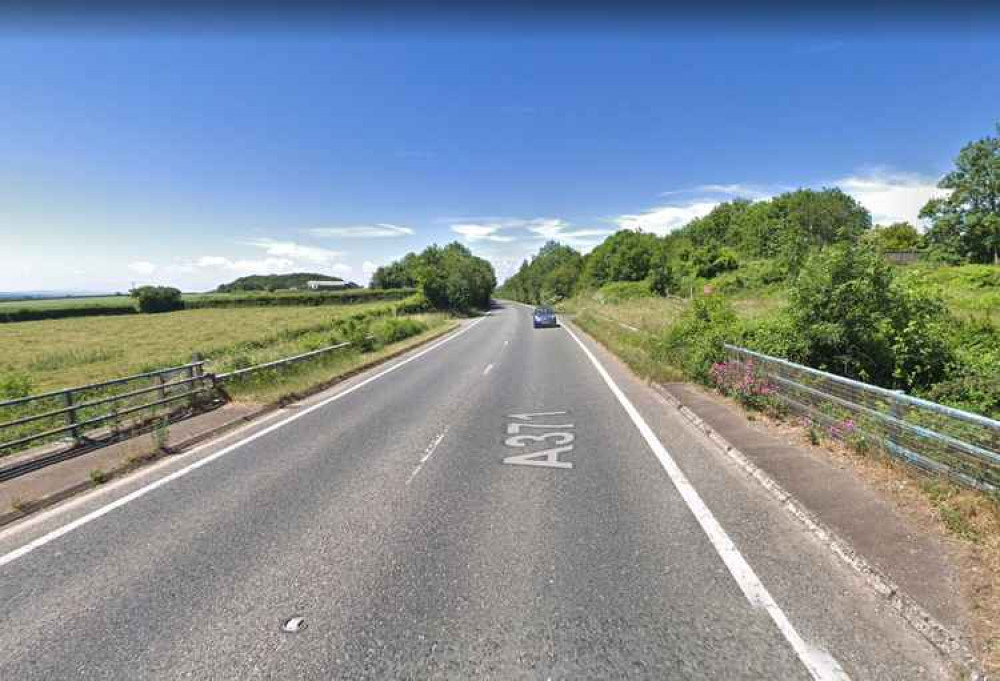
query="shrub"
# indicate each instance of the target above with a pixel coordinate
(776, 336)
(355, 329)
(264, 299)
(856, 320)
(15, 384)
(158, 298)
(391, 330)
(413, 304)
(619, 291)
(696, 341)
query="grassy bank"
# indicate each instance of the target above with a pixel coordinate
(54, 354)
(12, 311)
(273, 386)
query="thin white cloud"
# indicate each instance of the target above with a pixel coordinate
(296, 251)
(142, 267)
(555, 229)
(381, 230)
(891, 196)
(368, 267)
(665, 219)
(473, 232)
(736, 190)
(341, 269)
(246, 266)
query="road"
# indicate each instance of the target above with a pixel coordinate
(407, 519)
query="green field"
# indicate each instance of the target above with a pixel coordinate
(52, 303)
(66, 352)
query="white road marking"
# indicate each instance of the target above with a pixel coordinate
(550, 458)
(528, 417)
(515, 428)
(820, 664)
(520, 440)
(294, 625)
(427, 454)
(488, 369)
(142, 491)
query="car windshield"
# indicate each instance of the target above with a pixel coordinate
(543, 310)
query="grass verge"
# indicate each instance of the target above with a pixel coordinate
(970, 520)
(297, 380)
(54, 354)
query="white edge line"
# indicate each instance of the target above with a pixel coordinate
(821, 666)
(488, 369)
(142, 491)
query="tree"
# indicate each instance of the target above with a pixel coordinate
(967, 221)
(450, 278)
(551, 275)
(157, 298)
(899, 236)
(624, 256)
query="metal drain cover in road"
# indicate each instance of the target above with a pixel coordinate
(294, 625)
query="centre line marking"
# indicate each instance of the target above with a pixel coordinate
(427, 454)
(488, 369)
(156, 484)
(820, 664)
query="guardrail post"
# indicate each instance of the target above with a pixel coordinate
(896, 411)
(162, 392)
(193, 372)
(71, 416)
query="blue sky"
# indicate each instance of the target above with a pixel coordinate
(189, 159)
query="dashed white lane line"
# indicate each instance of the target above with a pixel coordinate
(820, 664)
(488, 369)
(143, 491)
(427, 454)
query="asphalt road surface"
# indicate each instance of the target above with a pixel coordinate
(503, 503)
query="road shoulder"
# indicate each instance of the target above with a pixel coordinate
(893, 556)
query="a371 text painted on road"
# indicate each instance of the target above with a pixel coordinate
(525, 431)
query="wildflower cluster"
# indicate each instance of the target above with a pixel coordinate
(843, 430)
(741, 381)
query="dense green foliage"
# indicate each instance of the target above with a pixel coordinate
(274, 282)
(966, 223)
(450, 278)
(899, 236)
(153, 299)
(927, 328)
(348, 297)
(849, 315)
(695, 343)
(550, 276)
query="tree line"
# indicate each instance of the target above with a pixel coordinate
(769, 241)
(449, 277)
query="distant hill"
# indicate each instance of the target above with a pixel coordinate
(274, 282)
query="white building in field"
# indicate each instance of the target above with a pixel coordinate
(325, 284)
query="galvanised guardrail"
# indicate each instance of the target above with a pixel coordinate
(74, 413)
(279, 363)
(936, 438)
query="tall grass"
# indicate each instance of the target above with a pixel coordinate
(61, 353)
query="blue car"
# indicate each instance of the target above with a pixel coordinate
(544, 316)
